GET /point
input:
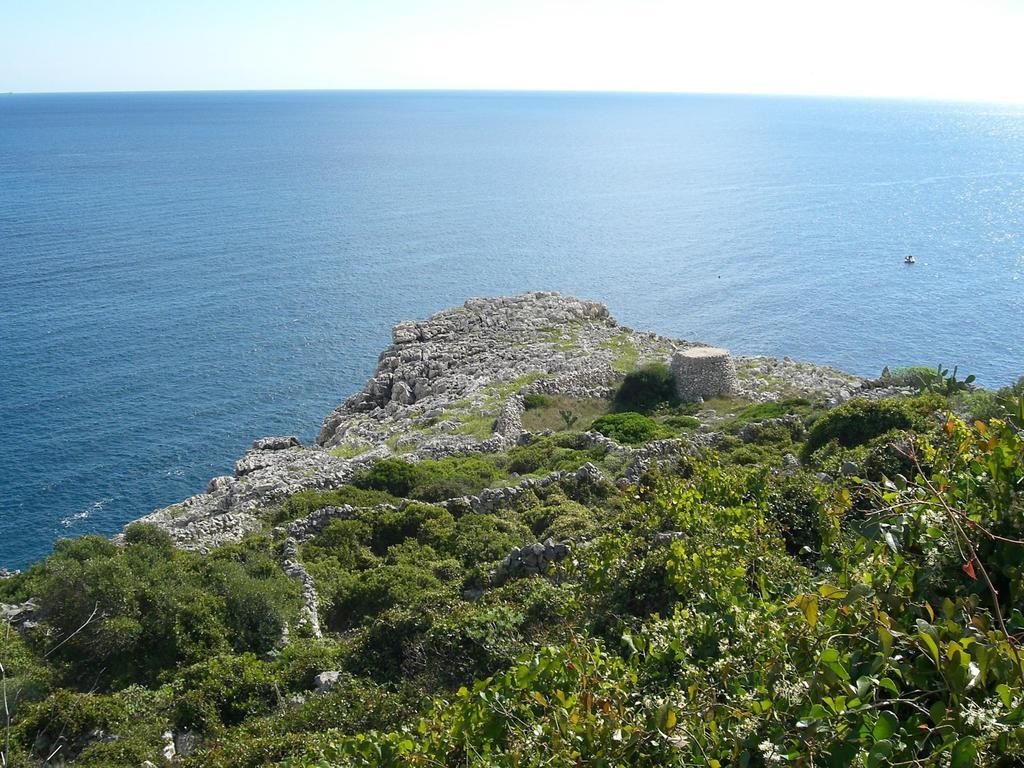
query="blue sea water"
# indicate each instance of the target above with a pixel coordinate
(181, 273)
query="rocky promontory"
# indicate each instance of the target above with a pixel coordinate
(529, 508)
(454, 383)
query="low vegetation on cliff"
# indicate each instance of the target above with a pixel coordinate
(800, 586)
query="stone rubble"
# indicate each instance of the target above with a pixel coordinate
(309, 616)
(492, 500)
(531, 560)
(20, 615)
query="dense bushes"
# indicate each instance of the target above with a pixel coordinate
(646, 389)
(1005, 403)
(430, 480)
(533, 400)
(799, 505)
(712, 614)
(456, 476)
(302, 503)
(629, 428)
(550, 454)
(713, 646)
(115, 616)
(858, 421)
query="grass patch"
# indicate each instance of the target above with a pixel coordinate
(627, 356)
(775, 410)
(349, 450)
(548, 414)
(477, 425)
(562, 341)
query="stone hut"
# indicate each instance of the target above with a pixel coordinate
(702, 373)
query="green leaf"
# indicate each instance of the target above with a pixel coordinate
(964, 753)
(831, 593)
(1003, 691)
(886, 725)
(890, 541)
(886, 638)
(665, 718)
(931, 646)
(830, 659)
(627, 640)
(808, 605)
(889, 685)
(880, 751)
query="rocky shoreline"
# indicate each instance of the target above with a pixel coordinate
(454, 383)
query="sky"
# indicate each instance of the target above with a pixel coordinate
(927, 49)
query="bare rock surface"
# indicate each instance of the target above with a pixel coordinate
(448, 382)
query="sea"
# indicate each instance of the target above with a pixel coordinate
(181, 273)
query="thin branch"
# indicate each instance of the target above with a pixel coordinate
(7, 709)
(993, 593)
(92, 616)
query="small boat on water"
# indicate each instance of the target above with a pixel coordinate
(910, 260)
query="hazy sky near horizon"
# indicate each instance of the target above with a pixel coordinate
(932, 49)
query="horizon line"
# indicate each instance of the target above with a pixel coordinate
(553, 91)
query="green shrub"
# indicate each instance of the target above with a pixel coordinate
(148, 535)
(392, 476)
(111, 616)
(549, 454)
(983, 405)
(224, 690)
(431, 480)
(370, 593)
(682, 422)
(753, 454)
(425, 523)
(629, 428)
(304, 502)
(351, 704)
(346, 541)
(303, 658)
(795, 504)
(919, 377)
(564, 519)
(480, 538)
(533, 400)
(938, 380)
(887, 456)
(646, 389)
(855, 422)
(256, 607)
(66, 719)
(456, 476)
(775, 409)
